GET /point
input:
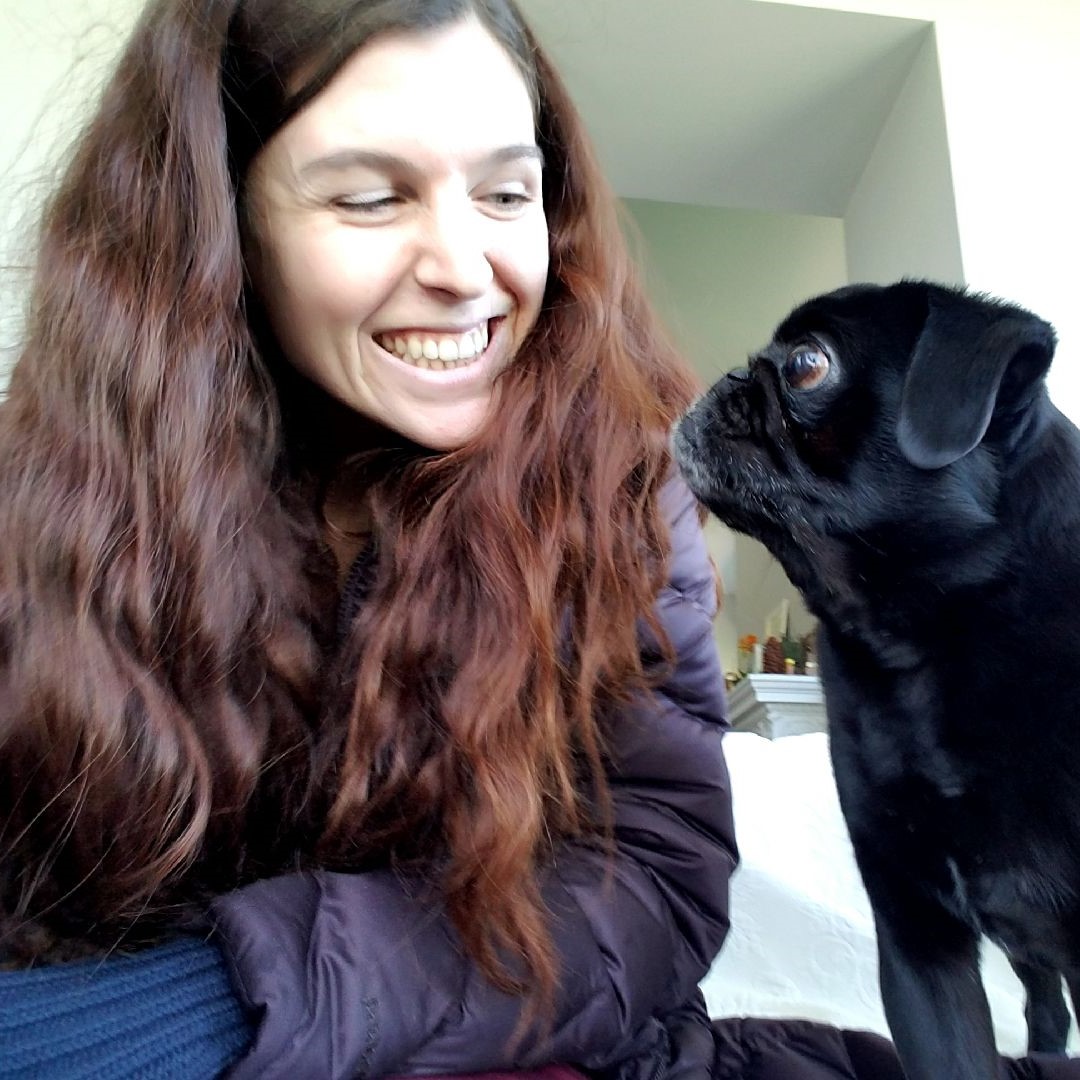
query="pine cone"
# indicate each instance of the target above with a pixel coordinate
(772, 662)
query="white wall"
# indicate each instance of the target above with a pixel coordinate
(53, 57)
(901, 219)
(1010, 81)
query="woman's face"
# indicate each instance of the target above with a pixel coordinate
(398, 238)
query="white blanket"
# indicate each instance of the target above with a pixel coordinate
(802, 936)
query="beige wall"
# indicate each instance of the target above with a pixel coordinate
(723, 279)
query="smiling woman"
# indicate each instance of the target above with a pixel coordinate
(398, 237)
(350, 261)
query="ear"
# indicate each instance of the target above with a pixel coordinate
(968, 346)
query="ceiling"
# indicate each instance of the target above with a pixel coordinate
(731, 103)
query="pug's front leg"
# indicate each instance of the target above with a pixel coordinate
(933, 994)
(1045, 1010)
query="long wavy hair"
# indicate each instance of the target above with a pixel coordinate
(171, 690)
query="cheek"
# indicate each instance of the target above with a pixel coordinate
(304, 305)
(526, 262)
(323, 291)
(331, 277)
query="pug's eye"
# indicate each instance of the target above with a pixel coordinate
(806, 366)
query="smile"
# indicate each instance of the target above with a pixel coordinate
(437, 352)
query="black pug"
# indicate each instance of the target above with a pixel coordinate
(895, 449)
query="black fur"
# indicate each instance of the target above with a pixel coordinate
(924, 497)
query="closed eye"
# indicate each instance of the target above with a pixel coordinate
(366, 204)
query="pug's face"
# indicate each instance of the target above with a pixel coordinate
(875, 425)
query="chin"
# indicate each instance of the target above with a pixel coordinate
(443, 440)
(449, 433)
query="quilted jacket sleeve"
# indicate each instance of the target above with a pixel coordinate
(355, 975)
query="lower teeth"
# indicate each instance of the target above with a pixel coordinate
(438, 365)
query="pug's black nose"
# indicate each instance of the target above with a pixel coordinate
(739, 374)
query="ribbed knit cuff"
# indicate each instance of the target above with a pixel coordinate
(168, 1013)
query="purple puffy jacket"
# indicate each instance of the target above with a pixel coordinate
(352, 975)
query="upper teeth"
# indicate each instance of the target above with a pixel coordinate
(446, 350)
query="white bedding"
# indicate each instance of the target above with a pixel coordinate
(802, 936)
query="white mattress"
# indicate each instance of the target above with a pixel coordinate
(802, 936)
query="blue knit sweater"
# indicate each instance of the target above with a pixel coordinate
(168, 1013)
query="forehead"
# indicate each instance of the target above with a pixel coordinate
(830, 312)
(449, 90)
(893, 311)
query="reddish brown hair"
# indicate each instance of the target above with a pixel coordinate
(162, 588)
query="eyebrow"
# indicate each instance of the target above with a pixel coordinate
(354, 157)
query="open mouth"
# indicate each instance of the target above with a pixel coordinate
(439, 352)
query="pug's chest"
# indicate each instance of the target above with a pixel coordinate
(907, 763)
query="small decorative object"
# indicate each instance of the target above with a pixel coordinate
(791, 649)
(809, 643)
(778, 620)
(793, 654)
(746, 653)
(772, 661)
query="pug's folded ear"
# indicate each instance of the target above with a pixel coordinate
(969, 351)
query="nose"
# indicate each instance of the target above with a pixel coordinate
(453, 255)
